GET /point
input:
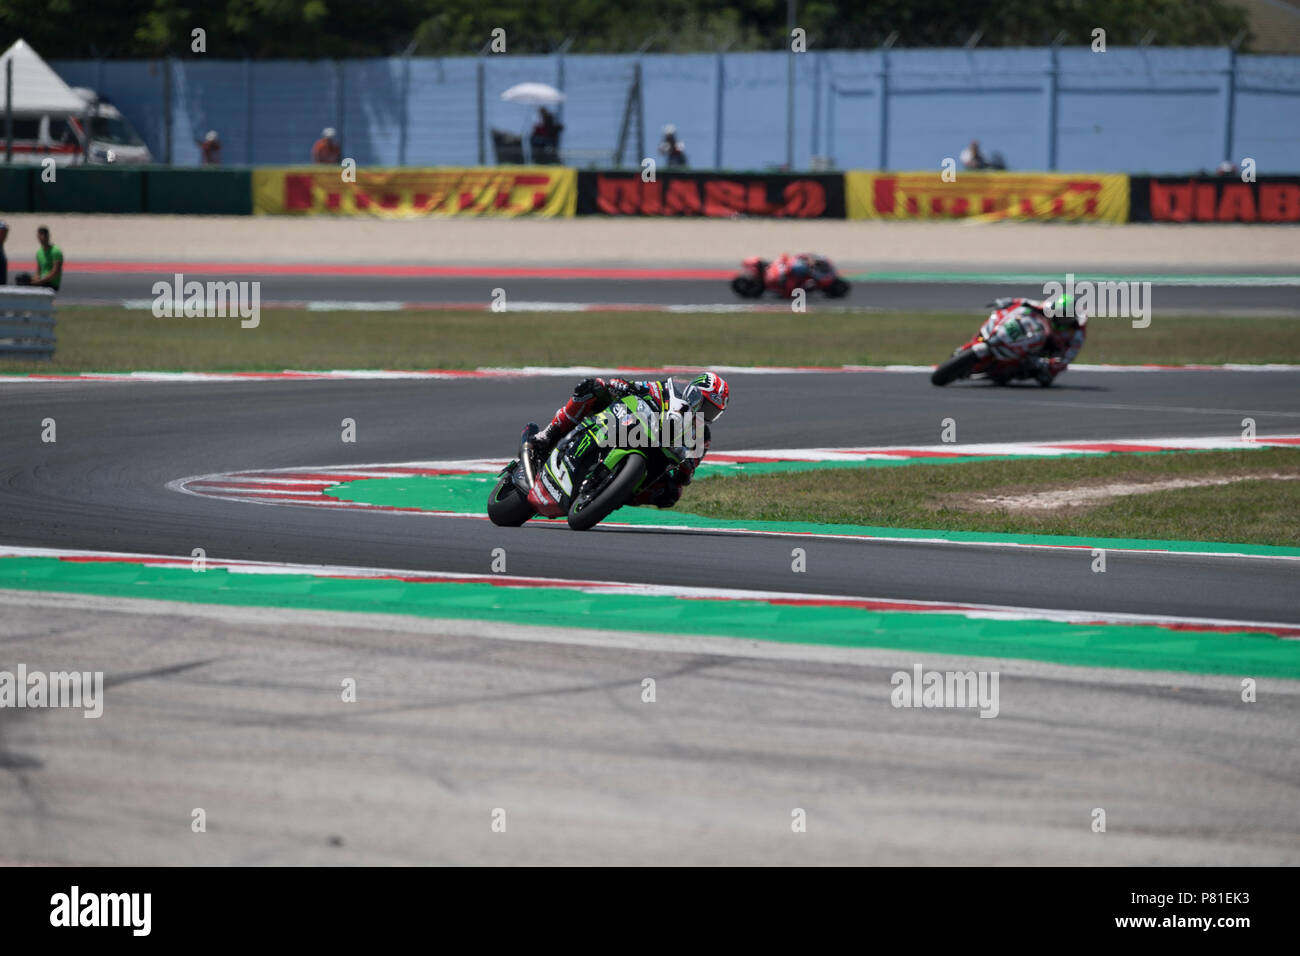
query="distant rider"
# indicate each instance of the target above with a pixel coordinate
(707, 394)
(1066, 328)
(787, 273)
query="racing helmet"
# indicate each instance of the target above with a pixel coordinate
(1060, 310)
(707, 394)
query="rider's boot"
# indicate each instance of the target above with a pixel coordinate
(572, 412)
(543, 443)
(589, 393)
(1040, 369)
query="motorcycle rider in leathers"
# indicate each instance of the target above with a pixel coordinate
(1066, 326)
(786, 272)
(706, 393)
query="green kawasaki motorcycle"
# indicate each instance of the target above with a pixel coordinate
(600, 465)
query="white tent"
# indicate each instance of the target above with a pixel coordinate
(37, 88)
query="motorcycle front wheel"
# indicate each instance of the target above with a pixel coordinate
(585, 514)
(747, 287)
(507, 505)
(956, 367)
(837, 289)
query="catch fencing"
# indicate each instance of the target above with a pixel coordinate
(1125, 110)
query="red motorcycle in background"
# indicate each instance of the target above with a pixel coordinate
(1012, 334)
(785, 274)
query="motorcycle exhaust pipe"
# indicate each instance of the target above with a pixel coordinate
(524, 457)
(527, 459)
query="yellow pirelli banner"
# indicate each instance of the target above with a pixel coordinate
(987, 196)
(412, 193)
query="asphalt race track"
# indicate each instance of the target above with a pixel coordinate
(215, 707)
(477, 291)
(119, 445)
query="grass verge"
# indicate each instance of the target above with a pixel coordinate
(115, 339)
(1253, 511)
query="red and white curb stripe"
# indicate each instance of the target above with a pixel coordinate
(307, 486)
(993, 612)
(573, 371)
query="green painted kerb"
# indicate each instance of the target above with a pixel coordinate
(1125, 646)
(468, 494)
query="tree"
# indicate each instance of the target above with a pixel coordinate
(337, 28)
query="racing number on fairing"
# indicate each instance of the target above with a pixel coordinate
(560, 472)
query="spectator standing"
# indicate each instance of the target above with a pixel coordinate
(327, 149)
(210, 148)
(49, 261)
(544, 143)
(672, 147)
(972, 158)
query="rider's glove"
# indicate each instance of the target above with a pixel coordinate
(1003, 302)
(622, 387)
(589, 387)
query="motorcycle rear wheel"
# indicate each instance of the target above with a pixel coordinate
(585, 515)
(507, 505)
(956, 367)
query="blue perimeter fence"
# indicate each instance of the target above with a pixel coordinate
(1125, 110)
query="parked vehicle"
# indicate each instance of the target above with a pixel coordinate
(52, 120)
(112, 138)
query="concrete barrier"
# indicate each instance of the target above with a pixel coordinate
(26, 322)
(158, 190)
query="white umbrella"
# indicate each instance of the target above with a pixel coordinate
(533, 94)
